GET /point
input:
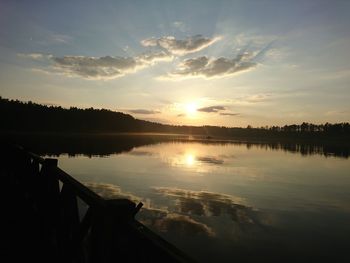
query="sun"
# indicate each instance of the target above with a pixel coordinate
(191, 109)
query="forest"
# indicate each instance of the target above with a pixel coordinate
(18, 116)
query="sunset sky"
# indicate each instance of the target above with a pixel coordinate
(229, 63)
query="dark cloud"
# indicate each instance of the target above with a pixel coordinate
(212, 109)
(228, 114)
(144, 111)
(180, 46)
(217, 109)
(214, 67)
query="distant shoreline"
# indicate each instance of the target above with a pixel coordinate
(295, 138)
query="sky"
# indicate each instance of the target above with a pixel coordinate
(226, 63)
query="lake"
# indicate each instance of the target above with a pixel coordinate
(225, 201)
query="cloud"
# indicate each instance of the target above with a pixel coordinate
(95, 67)
(144, 111)
(257, 98)
(228, 114)
(35, 56)
(217, 109)
(180, 46)
(59, 38)
(212, 109)
(336, 112)
(107, 67)
(214, 67)
(153, 57)
(181, 26)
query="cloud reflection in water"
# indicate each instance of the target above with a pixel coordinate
(188, 213)
(159, 218)
(202, 203)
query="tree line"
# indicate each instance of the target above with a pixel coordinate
(21, 116)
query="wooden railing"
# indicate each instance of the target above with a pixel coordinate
(77, 225)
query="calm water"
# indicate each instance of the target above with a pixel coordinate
(230, 202)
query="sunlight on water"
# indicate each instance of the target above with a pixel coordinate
(232, 198)
(190, 159)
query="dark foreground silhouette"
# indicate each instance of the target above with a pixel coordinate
(48, 216)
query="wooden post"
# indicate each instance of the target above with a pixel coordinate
(69, 221)
(49, 207)
(107, 237)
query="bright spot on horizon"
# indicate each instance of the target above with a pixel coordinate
(191, 109)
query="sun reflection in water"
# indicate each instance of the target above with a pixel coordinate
(190, 159)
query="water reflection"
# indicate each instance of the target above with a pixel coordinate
(210, 160)
(175, 224)
(163, 219)
(190, 159)
(110, 191)
(202, 203)
(106, 144)
(228, 229)
(249, 202)
(188, 211)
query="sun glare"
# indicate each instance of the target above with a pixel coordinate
(191, 109)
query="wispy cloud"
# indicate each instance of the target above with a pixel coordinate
(257, 98)
(336, 112)
(59, 38)
(181, 26)
(180, 46)
(144, 111)
(35, 56)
